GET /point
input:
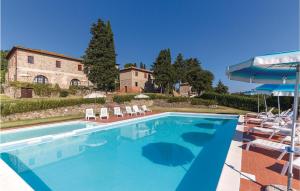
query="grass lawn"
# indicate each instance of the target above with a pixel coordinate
(27, 122)
(219, 110)
(4, 98)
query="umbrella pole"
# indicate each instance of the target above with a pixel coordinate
(257, 103)
(278, 102)
(266, 107)
(295, 112)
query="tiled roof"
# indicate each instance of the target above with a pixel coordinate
(135, 69)
(45, 52)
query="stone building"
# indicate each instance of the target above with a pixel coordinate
(185, 89)
(40, 66)
(135, 80)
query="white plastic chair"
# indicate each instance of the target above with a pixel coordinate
(89, 113)
(129, 111)
(104, 113)
(118, 112)
(145, 109)
(137, 110)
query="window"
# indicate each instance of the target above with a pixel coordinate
(30, 59)
(75, 82)
(40, 79)
(145, 75)
(79, 67)
(136, 84)
(136, 73)
(58, 64)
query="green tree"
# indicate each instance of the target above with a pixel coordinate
(221, 88)
(180, 69)
(142, 66)
(163, 71)
(4, 61)
(128, 65)
(3, 65)
(199, 79)
(100, 57)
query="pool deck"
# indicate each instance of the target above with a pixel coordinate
(262, 165)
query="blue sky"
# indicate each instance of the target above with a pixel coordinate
(217, 32)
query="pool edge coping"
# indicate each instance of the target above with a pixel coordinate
(10, 180)
(231, 173)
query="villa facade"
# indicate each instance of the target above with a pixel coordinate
(40, 66)
(135, 80)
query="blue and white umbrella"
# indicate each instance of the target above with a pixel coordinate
(281, 68)
(276, 90)
(254, 92)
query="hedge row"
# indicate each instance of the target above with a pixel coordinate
(35, 105)
(235, 101)
(128, 98)
(178, 99)
(157, 96)
(123, 98)
(199, 101)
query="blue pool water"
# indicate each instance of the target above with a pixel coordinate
(183, 153)
(21, 134)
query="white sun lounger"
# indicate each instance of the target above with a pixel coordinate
(273, 130)
(257, 115)
(129, 110)
(118, 112)
(264, 130)
(254, 120)
(296, 164)
(89, 113)
(266, 144)
(137, 110)
(104, 113)
(145, 109)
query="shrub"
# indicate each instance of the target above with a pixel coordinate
(199, 101)
(21, 106)
(123, 98)
(63, 93)
(235, 101)
(73, 90)
(129, 97)
(178, 99)
(157, 96)
(43, 90)
(56, 89)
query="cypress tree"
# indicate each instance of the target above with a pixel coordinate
(221, 88)
(163, 71)
(180, 69)
(100, 57)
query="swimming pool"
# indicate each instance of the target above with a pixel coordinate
(27, 133)
(166, 152)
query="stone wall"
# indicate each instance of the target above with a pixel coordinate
(12, 92)
(71, 110)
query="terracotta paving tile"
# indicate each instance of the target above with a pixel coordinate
(263, 164)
